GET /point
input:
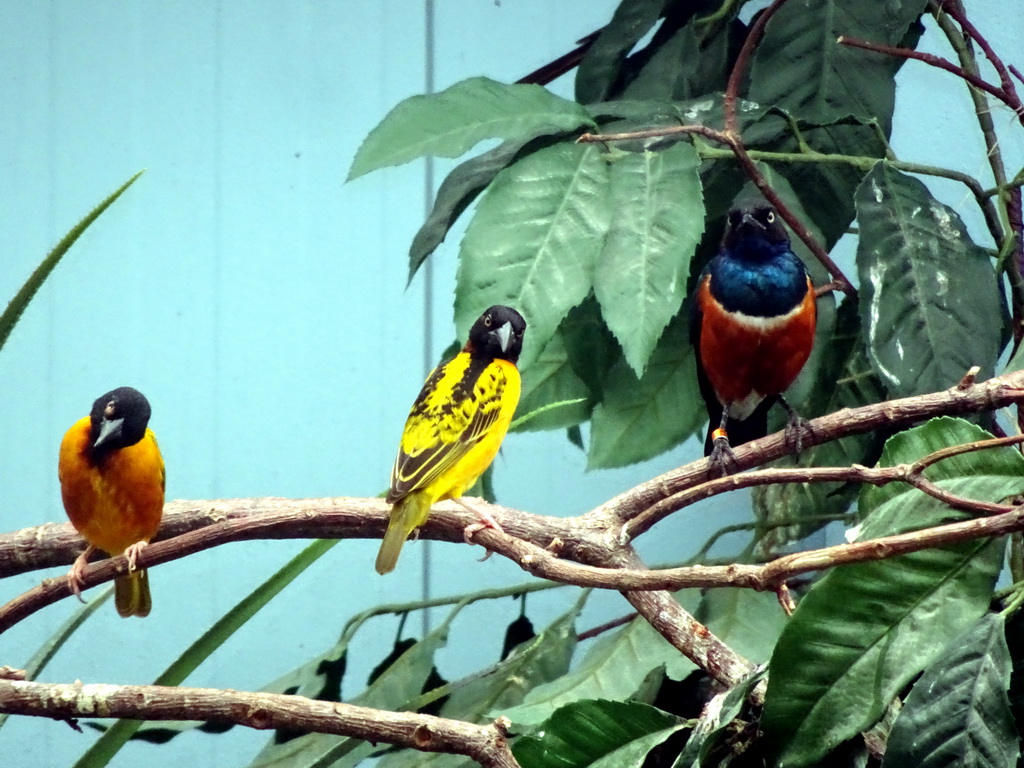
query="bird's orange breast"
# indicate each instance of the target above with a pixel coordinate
(117, 503)
(748, 358)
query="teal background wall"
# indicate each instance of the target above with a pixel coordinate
(260, 304)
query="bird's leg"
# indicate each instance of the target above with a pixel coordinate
(75, 575)
(796, 428)
(721, 455)
(486, 521)
(133, 552)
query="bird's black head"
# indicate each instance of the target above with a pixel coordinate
(498, 333)
(119, 419)
(754, 226)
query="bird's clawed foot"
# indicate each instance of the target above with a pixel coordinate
(76, 579)
(133, 552)
(797, 429)
(723, 462)
(486, 521)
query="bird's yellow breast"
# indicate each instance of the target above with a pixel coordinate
(117, 503)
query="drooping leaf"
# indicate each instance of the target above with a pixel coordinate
(930, 301)
(640, 276)
(822, 81)
(546, 657)
(715, 723)
(396, 686)
(597, 734)
(865, 630)
(551, 379)
(534, 239)
(590, 347)
(452, 121)
(601, 65)
(104, 748)
(457, 191)
(958, 712)
(614, 667)
(641, 418)
(35, 281)
(791, 511)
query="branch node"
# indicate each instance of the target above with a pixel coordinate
(555, 546)
(11, 673)
(502, 725)
(970, 378)
(423, 736)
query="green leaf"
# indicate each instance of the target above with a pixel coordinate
(457, 191)
(748, 622)
(590, 347)
(930, 301)
(451, 122)
(35, 281)
(958, 712)
(600, 734)
(546, 657)
(534, 239)
(790, 511)
(599, 71)
(101, 752)
(641, 418)
(614, 667)
(799, 66)
(640, 276)
(990, 475)
(715, 723)
(865, 630)
(551, 379)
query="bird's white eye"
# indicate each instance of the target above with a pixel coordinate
(487, 320)
(770, 217)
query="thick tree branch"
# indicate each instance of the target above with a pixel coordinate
(486, 744)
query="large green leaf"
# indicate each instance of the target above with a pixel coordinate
(641, 418)
(590, 347)
(534, 239)
(551, 379)
(546, 657)
(451, 122)
(749, 622)
(614, 667)
(597, 734)
(104, 748)
(801, 68)
(640, 276)
(958, 712)
(930, 300)
(35, 281)
(601, 66)
(791, 511)
(990, 475)
(865, 630)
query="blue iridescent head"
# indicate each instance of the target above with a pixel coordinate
(755, 231)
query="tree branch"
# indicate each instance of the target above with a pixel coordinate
(486, 744)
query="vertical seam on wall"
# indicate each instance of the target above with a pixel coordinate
(429, 41)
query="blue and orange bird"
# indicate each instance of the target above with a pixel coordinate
(112, 483)
(753, 318)
(455, 428)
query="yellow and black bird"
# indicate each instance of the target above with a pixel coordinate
(455, 427)
(112, 482)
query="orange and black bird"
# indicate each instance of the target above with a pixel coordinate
(455, 428)
(112, 482)
(753, 317)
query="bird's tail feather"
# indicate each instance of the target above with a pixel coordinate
(131, 594)
(406, 516)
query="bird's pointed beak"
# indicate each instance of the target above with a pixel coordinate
(750, 221)
(110, 429)
(504, 334)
